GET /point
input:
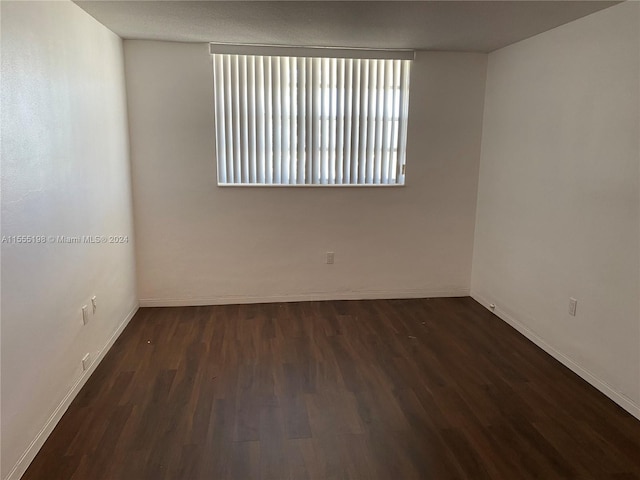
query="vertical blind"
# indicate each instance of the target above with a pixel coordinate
(284, 120)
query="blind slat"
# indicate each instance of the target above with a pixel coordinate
(348, 82)
(268, 140)
(326, 99)
(377, 155)
(221, 151)
(355, 136)
(309, 120)
(302, 113)
(317, 121)
(228, 119)
(340, 123)
(371, 121)
(293, 120)
(332, 111)
(386, 127)
(260, 87)
(244, 112)
(396, 112)
(277, 122)
(364, 113)
(251, 86)
(286, 118)
(236, 117)
(402, 125)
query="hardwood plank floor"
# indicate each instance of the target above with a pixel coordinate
(407, 389)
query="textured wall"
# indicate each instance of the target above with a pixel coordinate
(65, 172)
(558, 202)
(198, 243)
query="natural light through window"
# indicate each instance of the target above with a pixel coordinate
(294, 120)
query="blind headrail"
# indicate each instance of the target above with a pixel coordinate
(310, 52)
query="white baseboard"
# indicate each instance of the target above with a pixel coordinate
(622, 400)
(304, 297)
(28, 456)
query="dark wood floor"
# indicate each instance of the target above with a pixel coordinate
(386, 389)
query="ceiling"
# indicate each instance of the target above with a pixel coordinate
(481, 26)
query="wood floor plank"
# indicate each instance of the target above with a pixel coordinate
(409, 389)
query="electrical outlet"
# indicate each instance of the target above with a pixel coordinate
(85, 314)
(94, 303)
(86, 361)
(573, 303)
(330, 256)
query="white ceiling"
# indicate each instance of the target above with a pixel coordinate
(428, 25)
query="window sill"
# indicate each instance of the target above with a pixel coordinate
(323, 185)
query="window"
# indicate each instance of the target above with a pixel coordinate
(308, 120)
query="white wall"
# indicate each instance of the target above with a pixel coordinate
(558, 204)
(65, 171)
(198, 243)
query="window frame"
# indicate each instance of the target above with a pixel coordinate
(329, 113)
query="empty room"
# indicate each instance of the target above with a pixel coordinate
(362, 240)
